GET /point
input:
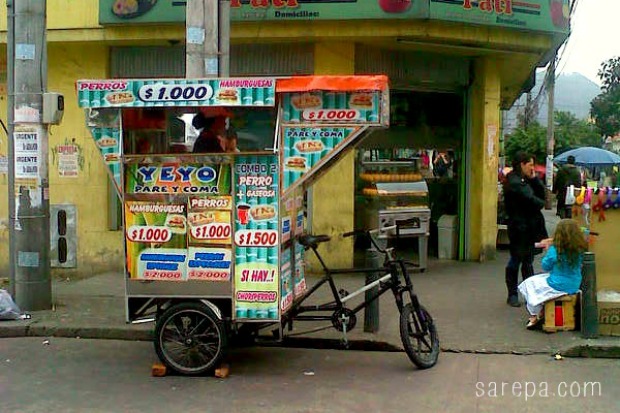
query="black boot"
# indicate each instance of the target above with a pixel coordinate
(512, 278)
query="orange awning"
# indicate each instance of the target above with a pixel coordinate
(338, 83)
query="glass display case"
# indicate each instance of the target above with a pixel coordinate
(392, 190)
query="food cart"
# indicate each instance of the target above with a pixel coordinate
(211, 238)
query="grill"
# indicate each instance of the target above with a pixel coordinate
(412, 222)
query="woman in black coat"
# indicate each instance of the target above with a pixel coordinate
(524, 196)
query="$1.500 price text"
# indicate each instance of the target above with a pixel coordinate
(256, 238)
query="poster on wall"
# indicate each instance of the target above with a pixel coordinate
(67, 157)
(156, 241)
(256, 238)
(27, 163)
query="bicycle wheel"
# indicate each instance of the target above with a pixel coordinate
(421, 343)
(189, 338)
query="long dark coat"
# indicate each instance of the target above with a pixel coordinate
(524, 199)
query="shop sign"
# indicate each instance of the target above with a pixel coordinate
(286, 280)
(304, 148)
(156, 241)
(256, 238)
(209, 264)
(171, 11)
(176, 178)
(533, 15)
(176, 92)
(105, 129)
(332, 107)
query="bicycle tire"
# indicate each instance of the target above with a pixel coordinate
(410, 322)
(189, 338)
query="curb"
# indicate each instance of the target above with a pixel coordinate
(96, 333)
(127, 334)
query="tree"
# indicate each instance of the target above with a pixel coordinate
(532, 139)
(570, 132)
(605, 108)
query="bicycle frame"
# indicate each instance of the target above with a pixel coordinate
(389, 280)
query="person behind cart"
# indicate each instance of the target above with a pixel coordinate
(562, 263)
(568, 175)
(211, 131)
(524, 199)
(230, 140)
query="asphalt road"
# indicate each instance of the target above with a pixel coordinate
(73, 375)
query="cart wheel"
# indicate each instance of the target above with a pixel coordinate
(419, 337)
(189, 338)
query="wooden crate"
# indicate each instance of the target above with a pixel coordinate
(560, 314)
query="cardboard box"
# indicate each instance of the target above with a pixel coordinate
(609, 318)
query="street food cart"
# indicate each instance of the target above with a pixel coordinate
(211, 238)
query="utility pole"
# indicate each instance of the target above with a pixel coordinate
(550, 133)
(28, 192)
(207, 38)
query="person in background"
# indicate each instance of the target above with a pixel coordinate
(523, 201)
(567, 175)
(441, 165)
(562, 263)
(230, 140)
(212, 129)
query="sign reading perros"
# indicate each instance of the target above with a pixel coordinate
(176, 92)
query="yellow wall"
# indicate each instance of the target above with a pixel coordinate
(98, 248)
(482, 189)
(332, 196)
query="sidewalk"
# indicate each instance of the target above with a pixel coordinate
(467, 301)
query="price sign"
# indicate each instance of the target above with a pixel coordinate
(148, 234)
(335, 115)
(256, 238)
(162, 93)
(213, 231)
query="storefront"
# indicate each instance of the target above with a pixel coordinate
(451, 68)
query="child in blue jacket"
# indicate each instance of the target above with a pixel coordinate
(562, 261)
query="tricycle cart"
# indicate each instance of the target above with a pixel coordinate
(212, 239)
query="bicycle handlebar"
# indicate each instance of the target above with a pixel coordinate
(369, 235)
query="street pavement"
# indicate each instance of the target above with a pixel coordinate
(466, 300)
(68, 375)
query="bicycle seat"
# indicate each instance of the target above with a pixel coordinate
(313, 241)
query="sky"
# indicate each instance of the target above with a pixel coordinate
(595, 37)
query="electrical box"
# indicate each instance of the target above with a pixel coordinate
(53, 108)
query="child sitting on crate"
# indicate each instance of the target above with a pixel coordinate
(562, 261)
